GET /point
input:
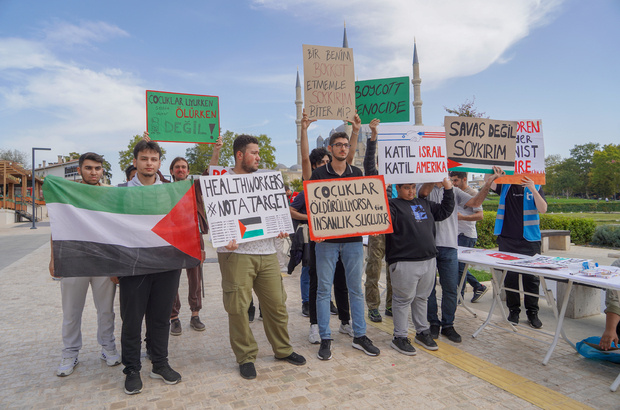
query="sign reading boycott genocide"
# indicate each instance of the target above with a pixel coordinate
(329, 82)
(245, 207)
(386, 99)
(410, 154)
(342, 208)
(529, 155)
(174, 117)
(479, 144)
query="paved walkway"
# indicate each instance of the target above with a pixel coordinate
(495, 371)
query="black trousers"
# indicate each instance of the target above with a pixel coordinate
(531, 283)
(150, 297)
(341, 292)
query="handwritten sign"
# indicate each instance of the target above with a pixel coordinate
(173, 117)
(479, 144)
(386, 99)
(410, 154)
(329, 82)
(529, 155)
(347, 207)
(245, 207)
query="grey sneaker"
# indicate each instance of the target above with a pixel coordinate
(426, 341)
(66, 367)
(111, 357)
(313, 336)
(403, 345)
(175, 327)
(346, 329)
(364, 344)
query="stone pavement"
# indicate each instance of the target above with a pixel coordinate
(454, 377)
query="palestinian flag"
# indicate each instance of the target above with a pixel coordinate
(110, 231)
(251, 227)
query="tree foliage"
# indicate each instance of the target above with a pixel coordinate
(605, 171)
(14, 155)
(467, 109)
(583, 156)
(125, 157)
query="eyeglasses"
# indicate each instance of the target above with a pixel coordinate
(340, 145)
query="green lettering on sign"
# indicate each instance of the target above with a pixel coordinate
(386, 99)
(173, 117)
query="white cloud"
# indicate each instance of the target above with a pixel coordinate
(87, 32)
(455, 38)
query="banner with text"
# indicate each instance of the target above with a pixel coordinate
(173, 117)
(245, 207)
(479, 144)
(347, 207)
(409, 154)
(529, 155)
(386, 99)
(329, 82)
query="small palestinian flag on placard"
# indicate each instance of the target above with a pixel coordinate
(251, 227)
(109, 231)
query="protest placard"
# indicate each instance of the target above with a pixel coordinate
(529, 155)
(245, 207)
(409, 154)
(174, 117)
(346, 207)
(386, 99)
(329, 82)
(479, 144)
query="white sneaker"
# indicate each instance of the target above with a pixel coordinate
(314, 336)
(111, 357)
(346, 329)
(66, 367)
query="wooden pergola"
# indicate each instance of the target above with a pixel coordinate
(11, 174)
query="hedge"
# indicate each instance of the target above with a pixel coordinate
(581, 229)
(594, 206)
(607, 235)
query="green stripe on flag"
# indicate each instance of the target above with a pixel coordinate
(252, 234)
(142, 200)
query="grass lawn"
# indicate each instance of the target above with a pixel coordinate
(481, 275)
(600, 218)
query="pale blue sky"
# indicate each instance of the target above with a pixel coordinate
(73, 73)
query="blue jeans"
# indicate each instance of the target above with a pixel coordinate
(469, 243)
(304, 284)
(447, 265)
(352, 255)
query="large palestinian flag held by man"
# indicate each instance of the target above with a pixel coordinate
(109, 231)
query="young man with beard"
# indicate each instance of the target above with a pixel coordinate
(73, 291)
(254, 265)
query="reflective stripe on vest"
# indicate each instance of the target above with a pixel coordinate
(531, 218)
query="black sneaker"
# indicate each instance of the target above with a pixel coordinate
(513, 317)
(478, 293)
(434, 331)
(305, 309)
(535, 322)
(425, 340)
(165, 373)
(251, 313)
(403, 345)
(133, 382)
(388, 311)
(325, 352)
(294, 358)
(247, 370)
(451, 334)
(374, 315)
(365, 344)
(332, 308)
(175, 327)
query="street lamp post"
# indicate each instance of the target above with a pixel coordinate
(34, 216)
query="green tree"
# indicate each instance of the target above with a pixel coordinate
(605, 173)
(125, 158)
(551, 163)
(567, 177)
(20, 157)
(297, 185)
(72, 155)
(467, 109)
(583, 156)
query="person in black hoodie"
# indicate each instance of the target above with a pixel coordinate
(410, 253)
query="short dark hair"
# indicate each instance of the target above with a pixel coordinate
(317, 155)
(241, 143)
(128, 171)
(146, 146)
(337, 135)
(459, 175)
(177, 159)
(91, 156)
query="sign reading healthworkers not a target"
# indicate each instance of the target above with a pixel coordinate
(347, 207)
(174, 117)
(386, 99)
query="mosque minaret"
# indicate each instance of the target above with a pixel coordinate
(417, 99)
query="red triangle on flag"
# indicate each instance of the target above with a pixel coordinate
(453, 164)
(180, 227)
(242, 228)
